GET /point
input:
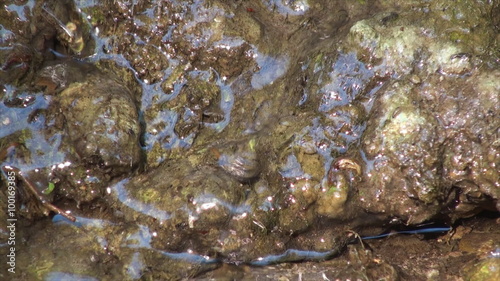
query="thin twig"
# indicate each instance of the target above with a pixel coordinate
(40, 197)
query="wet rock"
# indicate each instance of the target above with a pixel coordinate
(77, 136)
(485, 270)
(181, 200)
(410, 140)
(84, 262)
(196, 105)
(270, 134)
(37, 32)
(240, 160)
(125, 248)
(334, 194)
(435, 149)
(425, 41)
(405, 134)
(102, 121)
(72, 31)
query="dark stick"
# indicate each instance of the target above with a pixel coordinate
(38, 195)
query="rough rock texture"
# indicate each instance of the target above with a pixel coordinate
(430, 145)
(269, 131)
